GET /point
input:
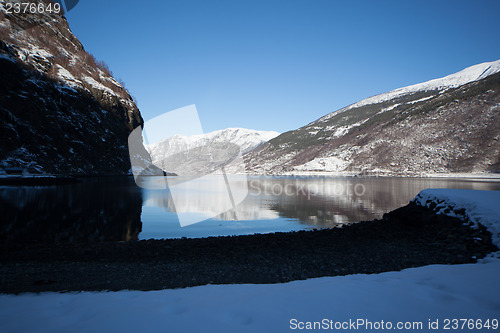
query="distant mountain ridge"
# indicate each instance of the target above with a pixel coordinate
(444, 125)
(242, 139)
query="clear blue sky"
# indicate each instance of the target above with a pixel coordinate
(278, 65)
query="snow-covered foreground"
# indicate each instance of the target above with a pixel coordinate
(408, 297)
(416, 295)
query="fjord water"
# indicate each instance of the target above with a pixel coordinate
(116, 209)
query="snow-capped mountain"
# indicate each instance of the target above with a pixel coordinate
(246, 139)
(467, 75)
(451, 124)
(168, 153)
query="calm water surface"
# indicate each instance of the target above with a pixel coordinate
(116, 209)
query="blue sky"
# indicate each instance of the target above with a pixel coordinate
(278, 65)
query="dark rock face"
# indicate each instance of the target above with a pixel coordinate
(61, 111)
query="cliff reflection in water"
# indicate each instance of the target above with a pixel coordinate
(96, 209)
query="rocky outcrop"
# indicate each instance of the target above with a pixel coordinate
(61, 110)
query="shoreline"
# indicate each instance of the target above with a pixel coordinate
(37, 180)
(475, 176)
(410, 236)
(49, 180)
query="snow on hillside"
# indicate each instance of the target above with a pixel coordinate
(77, 71)
(327, 164)
(246, 139)
(478, 207)
(467, 75)
(412, 298)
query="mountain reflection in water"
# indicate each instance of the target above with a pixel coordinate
(298, 202)
(116, 209)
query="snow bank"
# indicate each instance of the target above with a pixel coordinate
(478, 207)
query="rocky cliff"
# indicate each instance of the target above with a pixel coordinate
(61, 110)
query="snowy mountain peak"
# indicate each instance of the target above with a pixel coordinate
(245, 139)
(467, 75)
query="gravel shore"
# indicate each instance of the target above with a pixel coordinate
(410, 236)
